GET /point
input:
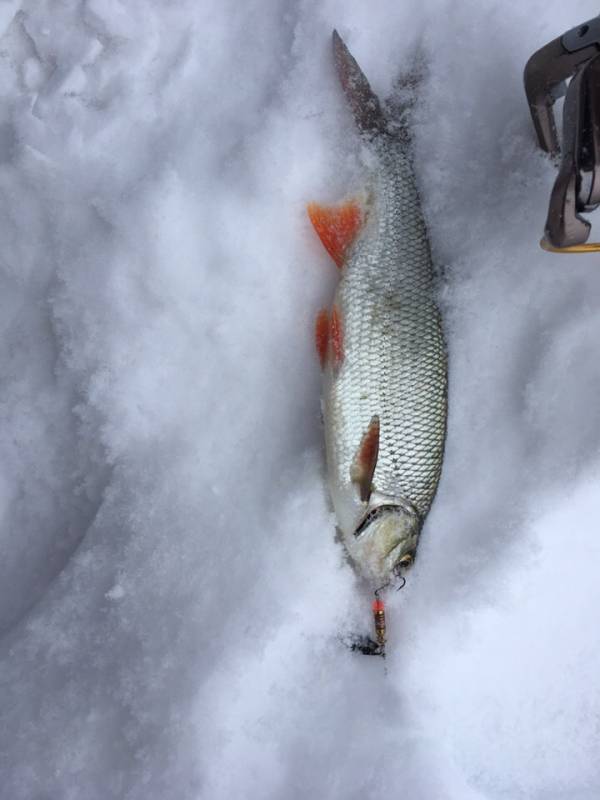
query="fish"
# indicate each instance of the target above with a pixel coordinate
(381, 345)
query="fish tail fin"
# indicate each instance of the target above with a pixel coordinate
(371, 118)
(399, 106)
(363, 101)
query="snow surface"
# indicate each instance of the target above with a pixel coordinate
(170, 589)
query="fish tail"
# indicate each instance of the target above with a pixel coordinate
(362, 99)
(371, 118)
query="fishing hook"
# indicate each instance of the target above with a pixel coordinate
(399, 576)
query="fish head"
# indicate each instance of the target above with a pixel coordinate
(386, 541)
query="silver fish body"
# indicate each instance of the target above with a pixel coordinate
(394, 368)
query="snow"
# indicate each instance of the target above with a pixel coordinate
(171, 593)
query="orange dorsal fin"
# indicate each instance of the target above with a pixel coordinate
(322, 334)
(337, 226)
(365, 461)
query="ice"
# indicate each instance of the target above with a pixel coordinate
(171, 593)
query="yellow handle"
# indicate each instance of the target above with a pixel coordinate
(589, 247)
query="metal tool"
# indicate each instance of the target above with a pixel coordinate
(576, 56)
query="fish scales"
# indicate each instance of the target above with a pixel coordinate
(394, 354)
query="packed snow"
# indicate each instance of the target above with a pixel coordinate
(171, 592)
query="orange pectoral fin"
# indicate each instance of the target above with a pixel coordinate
(365, 461)
(336, 335)
(337, 226)
(322, 335)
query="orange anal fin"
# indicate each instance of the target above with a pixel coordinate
(322, 335)
(337, 227)
(336, 337)
(365, 461)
